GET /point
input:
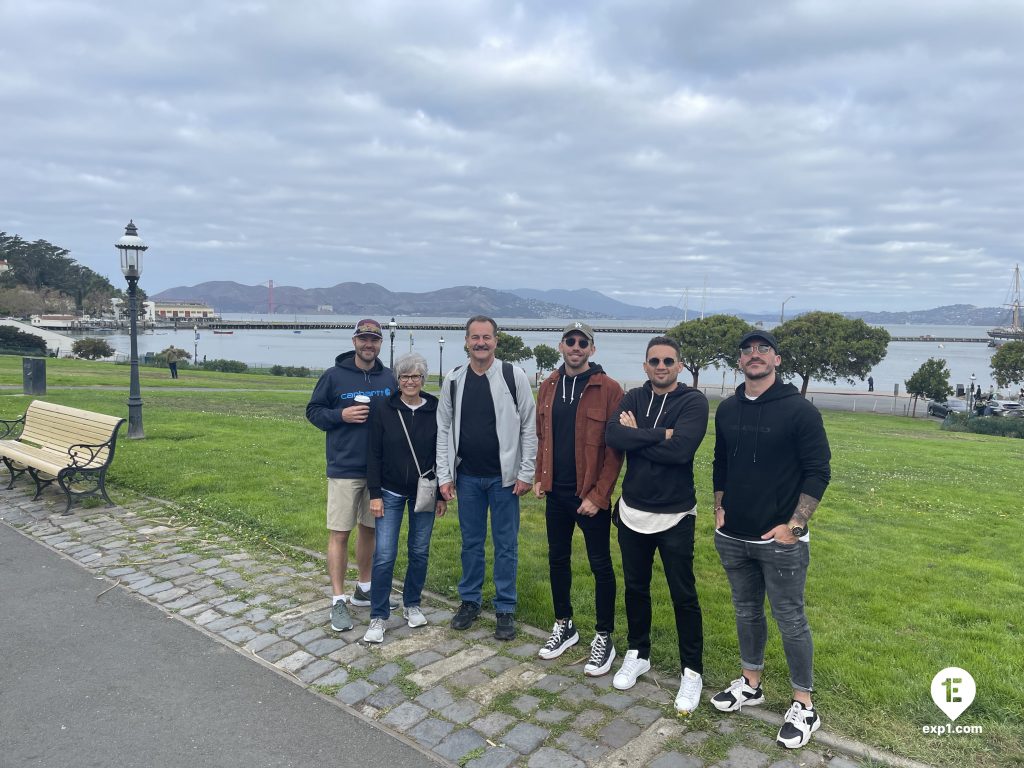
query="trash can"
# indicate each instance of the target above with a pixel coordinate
(960, 390)
(33, 375)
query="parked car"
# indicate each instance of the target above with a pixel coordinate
(1006, 408)
(936, 408)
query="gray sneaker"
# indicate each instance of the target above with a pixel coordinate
(341, 621)
(375, 632)
(362, 599)
(414, 616)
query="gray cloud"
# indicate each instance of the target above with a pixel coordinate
(857, 155)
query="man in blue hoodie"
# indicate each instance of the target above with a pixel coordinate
(771, 469)
(340, 406)
(659, 426)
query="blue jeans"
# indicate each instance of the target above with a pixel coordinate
(476, 495)
(780, 571)
(421, 526)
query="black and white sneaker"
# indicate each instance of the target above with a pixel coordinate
(602, 654)
(798, 726)
(563, 635)
(738, 694)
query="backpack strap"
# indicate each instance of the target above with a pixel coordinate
(508, 371)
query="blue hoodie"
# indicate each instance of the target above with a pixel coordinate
(347, 444)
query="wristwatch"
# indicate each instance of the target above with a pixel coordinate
(798, 530)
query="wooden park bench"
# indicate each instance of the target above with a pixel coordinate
(69, 445)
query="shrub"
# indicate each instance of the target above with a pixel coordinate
(1001, 426)
(225, 366)
(276, 370)
(15, 342)
(91, 349)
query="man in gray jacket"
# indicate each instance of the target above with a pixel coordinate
(486, 430)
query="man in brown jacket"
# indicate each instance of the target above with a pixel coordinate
(577, 472)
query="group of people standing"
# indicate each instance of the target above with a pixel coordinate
(488, 442)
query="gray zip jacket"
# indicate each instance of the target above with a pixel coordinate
(517, 429)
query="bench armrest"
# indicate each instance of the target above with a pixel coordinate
(76, 452)
(9, 427)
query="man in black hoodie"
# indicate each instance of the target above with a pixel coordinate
(771, 469)
(659, 426)
(340, 407)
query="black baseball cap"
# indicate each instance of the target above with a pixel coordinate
(763, 335)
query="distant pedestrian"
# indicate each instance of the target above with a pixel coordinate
(871, 384)
(576, 474)
(771, 469)
(173, 365)
(340, 406)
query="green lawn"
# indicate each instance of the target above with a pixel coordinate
(916, 549)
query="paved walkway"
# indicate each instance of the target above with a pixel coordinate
(463, 696)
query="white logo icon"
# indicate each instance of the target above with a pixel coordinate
(953, 691)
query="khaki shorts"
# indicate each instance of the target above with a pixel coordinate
(348, 502)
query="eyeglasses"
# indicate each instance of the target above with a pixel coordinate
(407, 377)
(572, 341)
(748, 350)
(654, 362)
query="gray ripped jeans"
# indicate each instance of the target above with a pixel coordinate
(780, 571)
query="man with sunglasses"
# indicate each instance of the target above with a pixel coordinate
(576, 474)
(340, 407)
(659, 426)
(771, 469)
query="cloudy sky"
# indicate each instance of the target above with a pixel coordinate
(855, 155)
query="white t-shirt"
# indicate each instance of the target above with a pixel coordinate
(649, 522)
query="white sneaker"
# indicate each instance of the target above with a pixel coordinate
(414, 616)
(690, 687)
(375, 632)
(632, 667)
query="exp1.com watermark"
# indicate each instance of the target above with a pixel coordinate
(953, 691)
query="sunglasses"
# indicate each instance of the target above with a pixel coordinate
(572, 341)
(654, 362)
(763, 349)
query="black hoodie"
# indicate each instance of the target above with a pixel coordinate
(346, 443)
(767, 452)
(659, 472)
(563, 427)
(389, 462)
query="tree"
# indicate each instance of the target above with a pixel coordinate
(15, 342)
(546, 357)
(512, 348)
(827, 346)
(711, 340)
(92, 349)
(930, 381)
(172, 354)
(1008, 364)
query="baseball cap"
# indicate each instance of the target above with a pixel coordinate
(368, 327)
(763, 335)
(578, 327)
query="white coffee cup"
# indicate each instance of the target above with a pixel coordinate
(362, 399)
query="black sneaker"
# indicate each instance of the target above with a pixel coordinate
(602, 654)
(799, 724)
(563, 635)
(466, 615)
(362, 599)
(739, 694)
(506, 629)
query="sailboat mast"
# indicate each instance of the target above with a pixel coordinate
(1016, 297)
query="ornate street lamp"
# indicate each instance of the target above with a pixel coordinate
(131, 248)
(392, 325)
(440, 360)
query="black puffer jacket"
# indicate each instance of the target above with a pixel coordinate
(389, 463)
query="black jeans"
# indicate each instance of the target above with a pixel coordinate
(676, 549)
(562, 519)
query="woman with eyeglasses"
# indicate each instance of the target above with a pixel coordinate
(404, 422)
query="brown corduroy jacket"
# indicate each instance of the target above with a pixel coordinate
(597, 465)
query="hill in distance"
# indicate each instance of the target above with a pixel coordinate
(462, 301)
